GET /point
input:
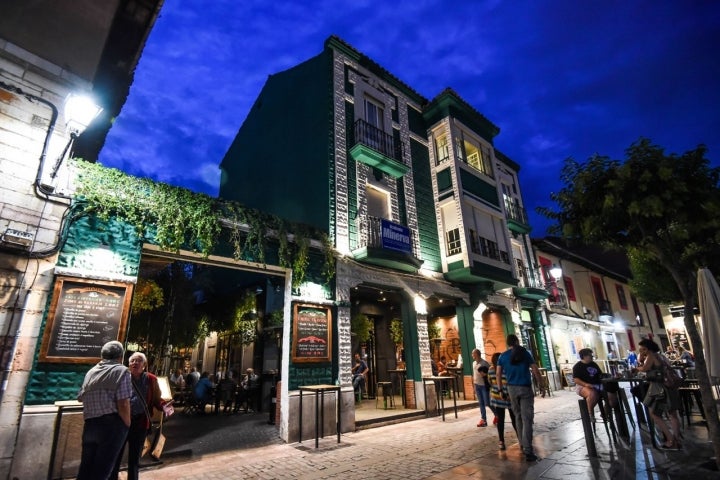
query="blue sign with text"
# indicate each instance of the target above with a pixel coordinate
(395, 237)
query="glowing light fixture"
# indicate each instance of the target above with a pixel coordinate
(420, 305)
(80, 110)
(556, 272)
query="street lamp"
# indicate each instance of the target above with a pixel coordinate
(80, 110)
(556, 272)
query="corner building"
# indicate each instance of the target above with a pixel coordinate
(424, 214)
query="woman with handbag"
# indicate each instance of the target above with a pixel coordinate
(660, 398)
(143, 402)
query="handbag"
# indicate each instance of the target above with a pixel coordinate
(671, 379)
(146, 446)
(656, 391)
(158, 442)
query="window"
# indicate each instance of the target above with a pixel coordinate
(636, 309)
(621, 296)
(659, 316)
(569, 288)
(374, 113)
(378, 202)
(442, 149)
(476, 156)
(453, 242)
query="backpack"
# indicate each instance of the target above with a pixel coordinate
(671, 378)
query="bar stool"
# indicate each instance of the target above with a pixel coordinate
(387, 392)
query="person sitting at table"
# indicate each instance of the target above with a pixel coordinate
(441, 368)
(588, 382)
(203, 391)
(670, 352)
(359, 372)
(686, 357)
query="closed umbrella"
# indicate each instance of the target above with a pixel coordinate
(709, 304)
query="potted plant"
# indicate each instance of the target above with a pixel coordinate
(396, 335)
(361, 326)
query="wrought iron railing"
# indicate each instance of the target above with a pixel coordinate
(373, 137)
(515, 211)
(487, 248)
(370, 232)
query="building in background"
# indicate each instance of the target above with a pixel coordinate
(590, 303)
(48, 51)
(425, 215)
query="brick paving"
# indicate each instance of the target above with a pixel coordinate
(432, 449)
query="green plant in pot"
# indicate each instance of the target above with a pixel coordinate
(361, 326)
(396, 331)
(433, 331)
(396, 335)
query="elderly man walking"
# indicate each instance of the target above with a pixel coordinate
(105, 395)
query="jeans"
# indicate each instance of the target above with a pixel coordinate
(102, 440)
(522, 399)
(483, 397)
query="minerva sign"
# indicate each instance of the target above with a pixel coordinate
(395, 237)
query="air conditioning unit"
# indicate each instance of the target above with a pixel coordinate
(17, 238)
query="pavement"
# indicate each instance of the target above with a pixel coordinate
(246, 447)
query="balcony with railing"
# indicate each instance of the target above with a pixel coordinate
(516, 216)
(485, 263)
(530, 284)
(385, 243)
(378, 149)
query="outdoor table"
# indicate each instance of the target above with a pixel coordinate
(438, 381)
(457, 374)
(618, 408)
(319, 407)
(401, 373)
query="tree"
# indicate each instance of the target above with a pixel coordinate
(664, 210)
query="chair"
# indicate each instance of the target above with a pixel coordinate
(544, 387)
(388, 394)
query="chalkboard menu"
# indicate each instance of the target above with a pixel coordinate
(84, 315)
(312, 333)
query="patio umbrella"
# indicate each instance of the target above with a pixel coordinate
(709, 304)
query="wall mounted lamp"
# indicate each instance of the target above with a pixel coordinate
(556, 272)
(79, 110)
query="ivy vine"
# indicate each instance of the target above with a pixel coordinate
(174, 217)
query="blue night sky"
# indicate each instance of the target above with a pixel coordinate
(561, 79)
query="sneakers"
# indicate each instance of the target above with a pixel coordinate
(531, 457)
(482, 423)
(495, 421)
(501, 445)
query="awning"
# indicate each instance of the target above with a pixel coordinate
(558, 316)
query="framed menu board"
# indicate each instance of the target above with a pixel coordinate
(84, 315)
(312, 333)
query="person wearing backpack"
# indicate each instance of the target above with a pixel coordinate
(658, 370)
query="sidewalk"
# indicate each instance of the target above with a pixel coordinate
(432, 449)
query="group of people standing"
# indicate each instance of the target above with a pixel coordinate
(119, 403)
(118, 406)
(506, 385)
